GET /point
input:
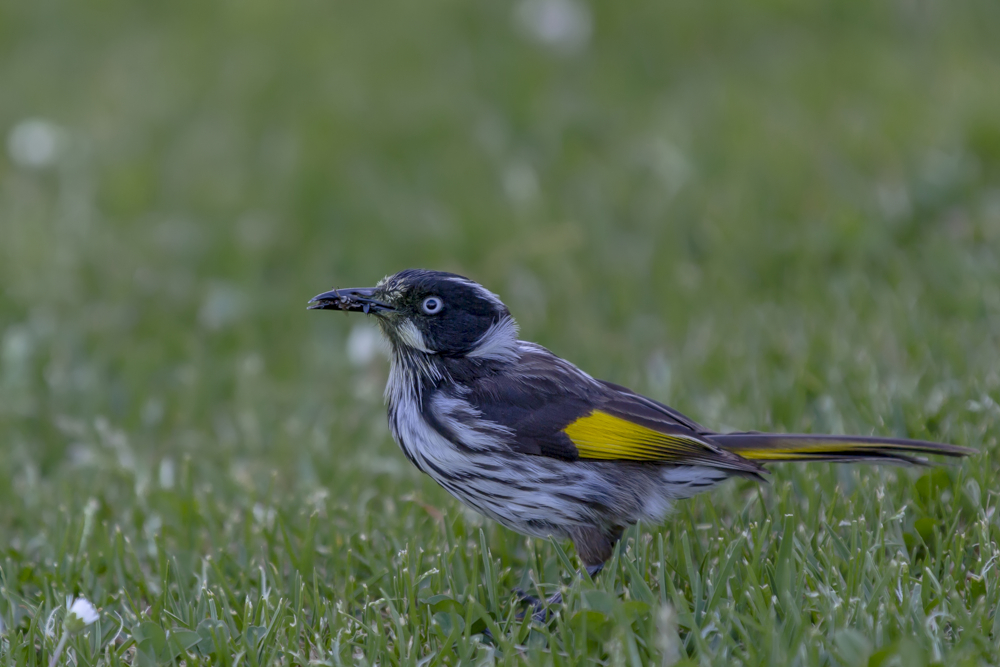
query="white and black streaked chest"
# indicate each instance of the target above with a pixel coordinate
(440, 431)
(408, 428)
(412, 383)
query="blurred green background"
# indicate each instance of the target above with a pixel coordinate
(772, 214)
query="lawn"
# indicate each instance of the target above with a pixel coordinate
(771, 215)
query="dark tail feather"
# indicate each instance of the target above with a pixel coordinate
(775, 447)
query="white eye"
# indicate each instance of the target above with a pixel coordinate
(432, 305)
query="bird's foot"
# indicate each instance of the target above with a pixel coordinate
(540, 611)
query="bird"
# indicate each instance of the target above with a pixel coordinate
(536, 444)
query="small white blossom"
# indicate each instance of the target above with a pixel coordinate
(564, 26)
(81, 614)
(363, 344)
(83, 610)
(36, 143)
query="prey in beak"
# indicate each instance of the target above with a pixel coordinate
(350, 299)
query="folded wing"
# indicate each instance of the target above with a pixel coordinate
(551, 408)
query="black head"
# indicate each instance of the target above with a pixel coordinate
(432, 312)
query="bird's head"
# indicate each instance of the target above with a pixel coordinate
(432, 312)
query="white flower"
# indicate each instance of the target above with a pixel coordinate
(84, 612)
(562, 25)
(36, 143)
(363, 344)
(81, 614)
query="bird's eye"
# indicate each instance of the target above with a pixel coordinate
(432, 305)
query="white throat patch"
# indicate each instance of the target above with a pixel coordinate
(410, 335)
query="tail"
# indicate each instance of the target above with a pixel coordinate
(775, 447)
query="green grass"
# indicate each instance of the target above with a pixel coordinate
(773, 215)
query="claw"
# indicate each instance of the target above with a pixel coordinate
(540, 612)
(523, 596)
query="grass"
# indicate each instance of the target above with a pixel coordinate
(772, 216)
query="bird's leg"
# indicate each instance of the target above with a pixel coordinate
(594, 547)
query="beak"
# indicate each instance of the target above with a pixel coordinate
(351, 299)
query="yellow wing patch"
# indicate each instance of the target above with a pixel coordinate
(605, 437)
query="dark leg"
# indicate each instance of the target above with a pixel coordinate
(594, 547)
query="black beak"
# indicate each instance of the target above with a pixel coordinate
(351, 299)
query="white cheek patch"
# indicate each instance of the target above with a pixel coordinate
(499, 342)
(410, 336)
